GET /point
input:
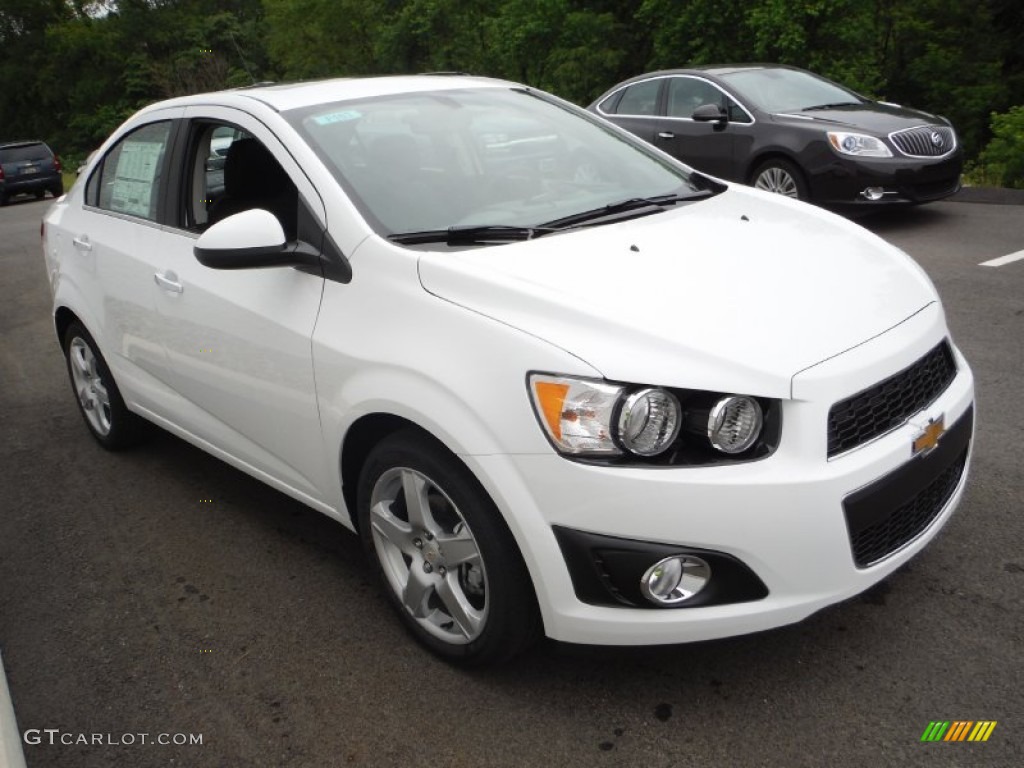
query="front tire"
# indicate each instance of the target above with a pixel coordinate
(447, 560)
(781, 177)
(99, 400)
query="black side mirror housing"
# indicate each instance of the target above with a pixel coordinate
(710, 113)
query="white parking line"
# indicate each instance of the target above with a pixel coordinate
(1003, 260)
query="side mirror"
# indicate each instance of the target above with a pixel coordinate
(710, 113)
(250, 240)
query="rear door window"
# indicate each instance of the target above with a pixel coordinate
(640, 99)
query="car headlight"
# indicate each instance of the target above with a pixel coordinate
(577, 414)
(600, 420)
(648, 421)
(857, 144)
(734, 423)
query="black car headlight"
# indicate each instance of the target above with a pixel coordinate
(597, 420)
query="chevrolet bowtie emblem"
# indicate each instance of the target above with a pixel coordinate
(929, 438)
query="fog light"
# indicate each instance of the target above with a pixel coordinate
(675, 579)
(873, 193)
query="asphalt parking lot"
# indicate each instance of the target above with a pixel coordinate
(162, 592)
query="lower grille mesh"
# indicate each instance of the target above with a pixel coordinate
(908, 520)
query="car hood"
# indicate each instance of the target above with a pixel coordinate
(737, 293)
(872, 117)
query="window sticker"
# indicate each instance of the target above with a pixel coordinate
(137, 167)
(337, 117)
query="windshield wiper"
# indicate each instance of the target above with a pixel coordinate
(836, 105)
(639, 206)
(471, 234)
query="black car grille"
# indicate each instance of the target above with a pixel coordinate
(908, 520)
(926, 141)
(895, 509)
(888, 404)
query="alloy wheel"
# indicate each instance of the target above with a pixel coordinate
(779, 181)
(92, 391)
(429, 555)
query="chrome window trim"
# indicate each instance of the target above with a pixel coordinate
(125, 216)
(949, 128)
(713, 84)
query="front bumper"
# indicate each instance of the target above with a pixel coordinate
(783, 518)
(842, 181)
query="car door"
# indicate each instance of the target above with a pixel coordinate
(238, 341)
(109, 250)
(706, 146)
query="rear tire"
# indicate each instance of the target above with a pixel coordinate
(40, 194)
(447, 561)
(97, 395)
(57, 191)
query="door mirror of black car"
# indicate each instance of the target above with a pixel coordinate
(252, 239)
(710, 113)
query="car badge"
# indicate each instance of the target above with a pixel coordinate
(929, 438)
(936, 138)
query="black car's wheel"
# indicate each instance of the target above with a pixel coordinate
(447, 560)
(3, 200)
(781, 177)
(40, 194)
(99, 399)
(57, 191)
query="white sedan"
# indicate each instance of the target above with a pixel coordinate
(558, 382)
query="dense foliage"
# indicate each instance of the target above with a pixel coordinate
(70, 70)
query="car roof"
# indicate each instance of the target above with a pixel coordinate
(24, 143)
(285, 96)
(710, 69)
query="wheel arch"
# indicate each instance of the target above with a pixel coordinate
(366, 432)
(63, 317)
(372, 428)
(756, 161)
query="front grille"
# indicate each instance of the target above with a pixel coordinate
(888, 404)
(875, 542)
(926, 141)
(895, 509)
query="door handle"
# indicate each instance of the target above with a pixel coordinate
(666, 135)
(168, 281)
(82, 243)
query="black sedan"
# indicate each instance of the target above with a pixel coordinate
(789, 131)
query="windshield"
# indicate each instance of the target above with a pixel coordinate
(788, 90)
(494, 157)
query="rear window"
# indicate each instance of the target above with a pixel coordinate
(25, 152)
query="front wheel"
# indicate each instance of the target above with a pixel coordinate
(781, 177)
(447, 560)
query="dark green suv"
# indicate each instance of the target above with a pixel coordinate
(29, 168)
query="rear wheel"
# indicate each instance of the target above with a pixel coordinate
(99, 399)
(781, 177)
(40, 194)
(447, 560)
(57, 191)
